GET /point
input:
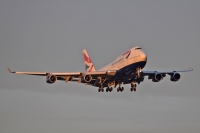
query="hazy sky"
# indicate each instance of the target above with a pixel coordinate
(47, 35)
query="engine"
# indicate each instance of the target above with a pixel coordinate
(51, 79)
(87, 78)
(175, 77)
(157, 77)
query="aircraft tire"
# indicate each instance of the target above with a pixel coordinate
(131, 89)
(122, 89)
(133, 85)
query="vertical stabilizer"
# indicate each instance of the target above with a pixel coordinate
(88, 62)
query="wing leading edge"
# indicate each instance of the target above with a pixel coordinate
(67, 75)
(145, 73)
(157, 76)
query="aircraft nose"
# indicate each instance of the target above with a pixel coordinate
(143, 56)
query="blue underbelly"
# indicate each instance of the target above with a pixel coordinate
(127, 70)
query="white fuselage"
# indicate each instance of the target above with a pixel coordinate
(132, 56)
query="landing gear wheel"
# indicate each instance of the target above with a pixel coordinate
(122, 89)
(133, 87)
(111, 89)
(118, 89)
(101, 89)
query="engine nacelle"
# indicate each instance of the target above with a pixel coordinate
(87, 78)
(175, 77)
(51, 79)
(157, 77)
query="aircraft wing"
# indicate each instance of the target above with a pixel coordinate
(69, 75)
(156, 76)
(46, 73)
(146, 73)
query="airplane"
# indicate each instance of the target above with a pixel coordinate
(125, 69)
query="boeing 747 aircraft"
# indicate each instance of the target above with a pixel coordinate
(125, 69)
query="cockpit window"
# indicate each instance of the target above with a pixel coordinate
(137, 48)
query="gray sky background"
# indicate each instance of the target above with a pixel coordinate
(47, 35)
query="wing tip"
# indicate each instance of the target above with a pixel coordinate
(10, 71)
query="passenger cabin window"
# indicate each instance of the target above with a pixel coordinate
(137, 48)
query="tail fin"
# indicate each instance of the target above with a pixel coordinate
(88, 62)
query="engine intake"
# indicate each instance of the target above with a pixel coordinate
(175, 77)
(87, 78)
(51, 79)
(157, 77)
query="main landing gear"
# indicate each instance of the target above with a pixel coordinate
(133, 86)
(119, 89)
(101, 88)
(109, 89)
